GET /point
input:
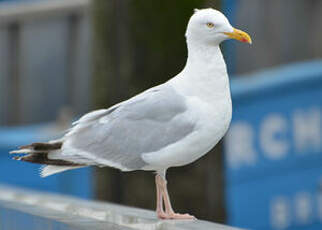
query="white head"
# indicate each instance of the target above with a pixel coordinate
(211, 27)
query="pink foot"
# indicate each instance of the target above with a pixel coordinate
(182, 216)
(177, 216)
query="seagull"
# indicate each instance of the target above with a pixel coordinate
(169, 125)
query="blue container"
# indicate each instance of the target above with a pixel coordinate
(273, 150)
(76, 182)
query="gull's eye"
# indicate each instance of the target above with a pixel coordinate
(210, 25)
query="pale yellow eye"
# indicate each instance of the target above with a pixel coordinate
(210, 25)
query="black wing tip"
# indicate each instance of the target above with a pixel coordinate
(40, 146)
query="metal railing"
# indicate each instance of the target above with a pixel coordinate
(21, 209)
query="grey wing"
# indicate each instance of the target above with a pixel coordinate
(120, 135)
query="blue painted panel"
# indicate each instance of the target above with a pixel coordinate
(77, 182)
(288, 201)
(273, 150)
(276, 123)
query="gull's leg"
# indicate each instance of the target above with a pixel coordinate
(165, 196)
(169, 213)
(160, 212)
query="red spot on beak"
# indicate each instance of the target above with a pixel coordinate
(244, 40)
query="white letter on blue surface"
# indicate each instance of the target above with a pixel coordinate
(274, 147)
(307, 130)
(280, 212)
(239, 144)
(303, 208)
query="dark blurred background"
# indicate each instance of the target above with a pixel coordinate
(62, 58)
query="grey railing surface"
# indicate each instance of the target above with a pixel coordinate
(23, 209)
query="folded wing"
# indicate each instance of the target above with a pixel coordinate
(117, 137)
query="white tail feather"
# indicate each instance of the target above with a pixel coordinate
(22, 151)
(53, 169)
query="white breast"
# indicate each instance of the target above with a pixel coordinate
(211, 125)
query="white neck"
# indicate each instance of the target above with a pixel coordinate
(205, 74)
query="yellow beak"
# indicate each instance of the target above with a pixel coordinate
(240, 36)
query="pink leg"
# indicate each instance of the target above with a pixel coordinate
(160, 212)
(163, 192)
